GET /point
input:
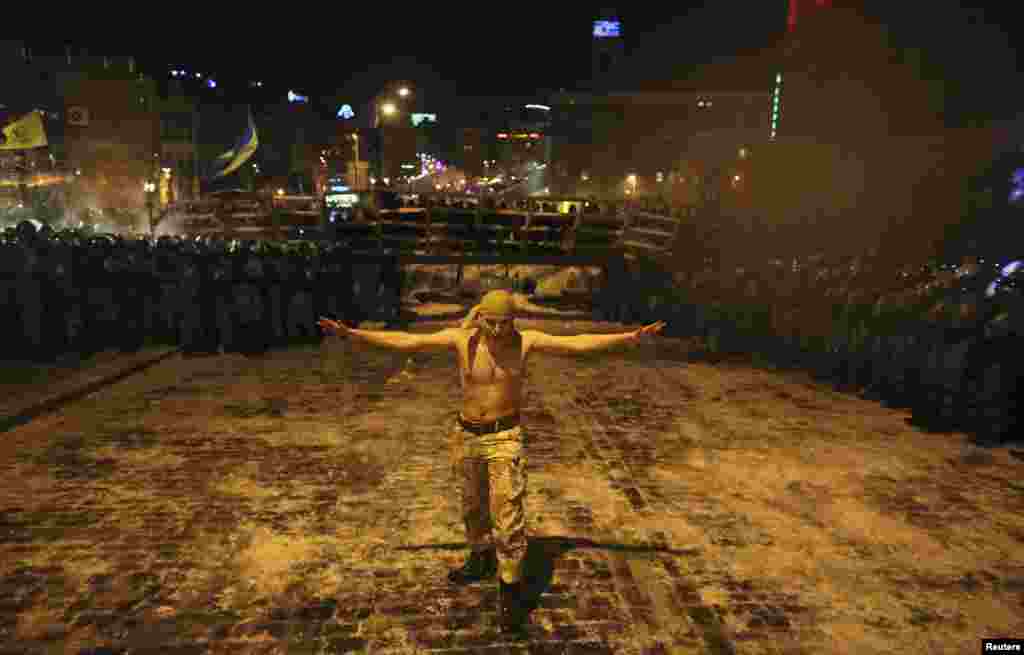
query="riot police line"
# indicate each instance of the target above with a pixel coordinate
(66, 291)
(940, 340)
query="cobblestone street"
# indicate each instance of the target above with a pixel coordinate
(302, 503)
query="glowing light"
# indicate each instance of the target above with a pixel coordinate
(743, 153)
(346, 112)
(542, 107)
(736, 178)
(607, 29)
(417, 119)
(403, 92)
(1012, 268)
(211, 84)
(198, 75)
(388, 108)
(631, 179)
(280, 192)
(294, 97)
(1017, 193)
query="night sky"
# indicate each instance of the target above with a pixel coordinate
(513, 49)
(484, 49)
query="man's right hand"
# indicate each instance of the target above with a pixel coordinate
(334, 327)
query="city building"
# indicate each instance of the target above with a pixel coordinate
(858, 142)
(607, 49)
(111, 133)
(471, 151)
(652, 143)
(400, 119)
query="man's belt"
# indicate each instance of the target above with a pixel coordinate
(504, 423)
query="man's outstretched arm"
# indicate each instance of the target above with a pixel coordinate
(405, 341)
(587, 343)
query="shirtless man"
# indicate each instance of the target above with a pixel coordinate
(486, 438)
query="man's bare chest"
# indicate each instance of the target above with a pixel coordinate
(481, 363)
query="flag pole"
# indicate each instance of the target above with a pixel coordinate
(196, 184)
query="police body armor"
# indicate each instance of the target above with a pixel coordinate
(219, 316)
(250, 304)
(132, 290)
(12, 264)
(168, 317)
(61, 318)
(189, 302)
(275, 273)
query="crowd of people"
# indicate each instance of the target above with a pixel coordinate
(68, 292)
(939, 339)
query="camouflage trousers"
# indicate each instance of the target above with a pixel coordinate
(490, 472)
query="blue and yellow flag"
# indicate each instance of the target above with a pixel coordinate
(24, 134)
(231, 160)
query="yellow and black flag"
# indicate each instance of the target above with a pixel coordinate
(233, 159)
(24, 134)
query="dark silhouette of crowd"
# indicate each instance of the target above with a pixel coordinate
(70, 292)
(942, 340)
(939, 339)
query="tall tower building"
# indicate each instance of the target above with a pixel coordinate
(798, 56)
(607, 49)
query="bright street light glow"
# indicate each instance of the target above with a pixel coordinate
(388, 108)
(404, 92)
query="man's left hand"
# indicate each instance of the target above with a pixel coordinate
(648, 330)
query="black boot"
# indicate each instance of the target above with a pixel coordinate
(511, 609)
(481, 565)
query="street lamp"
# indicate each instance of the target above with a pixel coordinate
(150, 189)
(355, 167)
